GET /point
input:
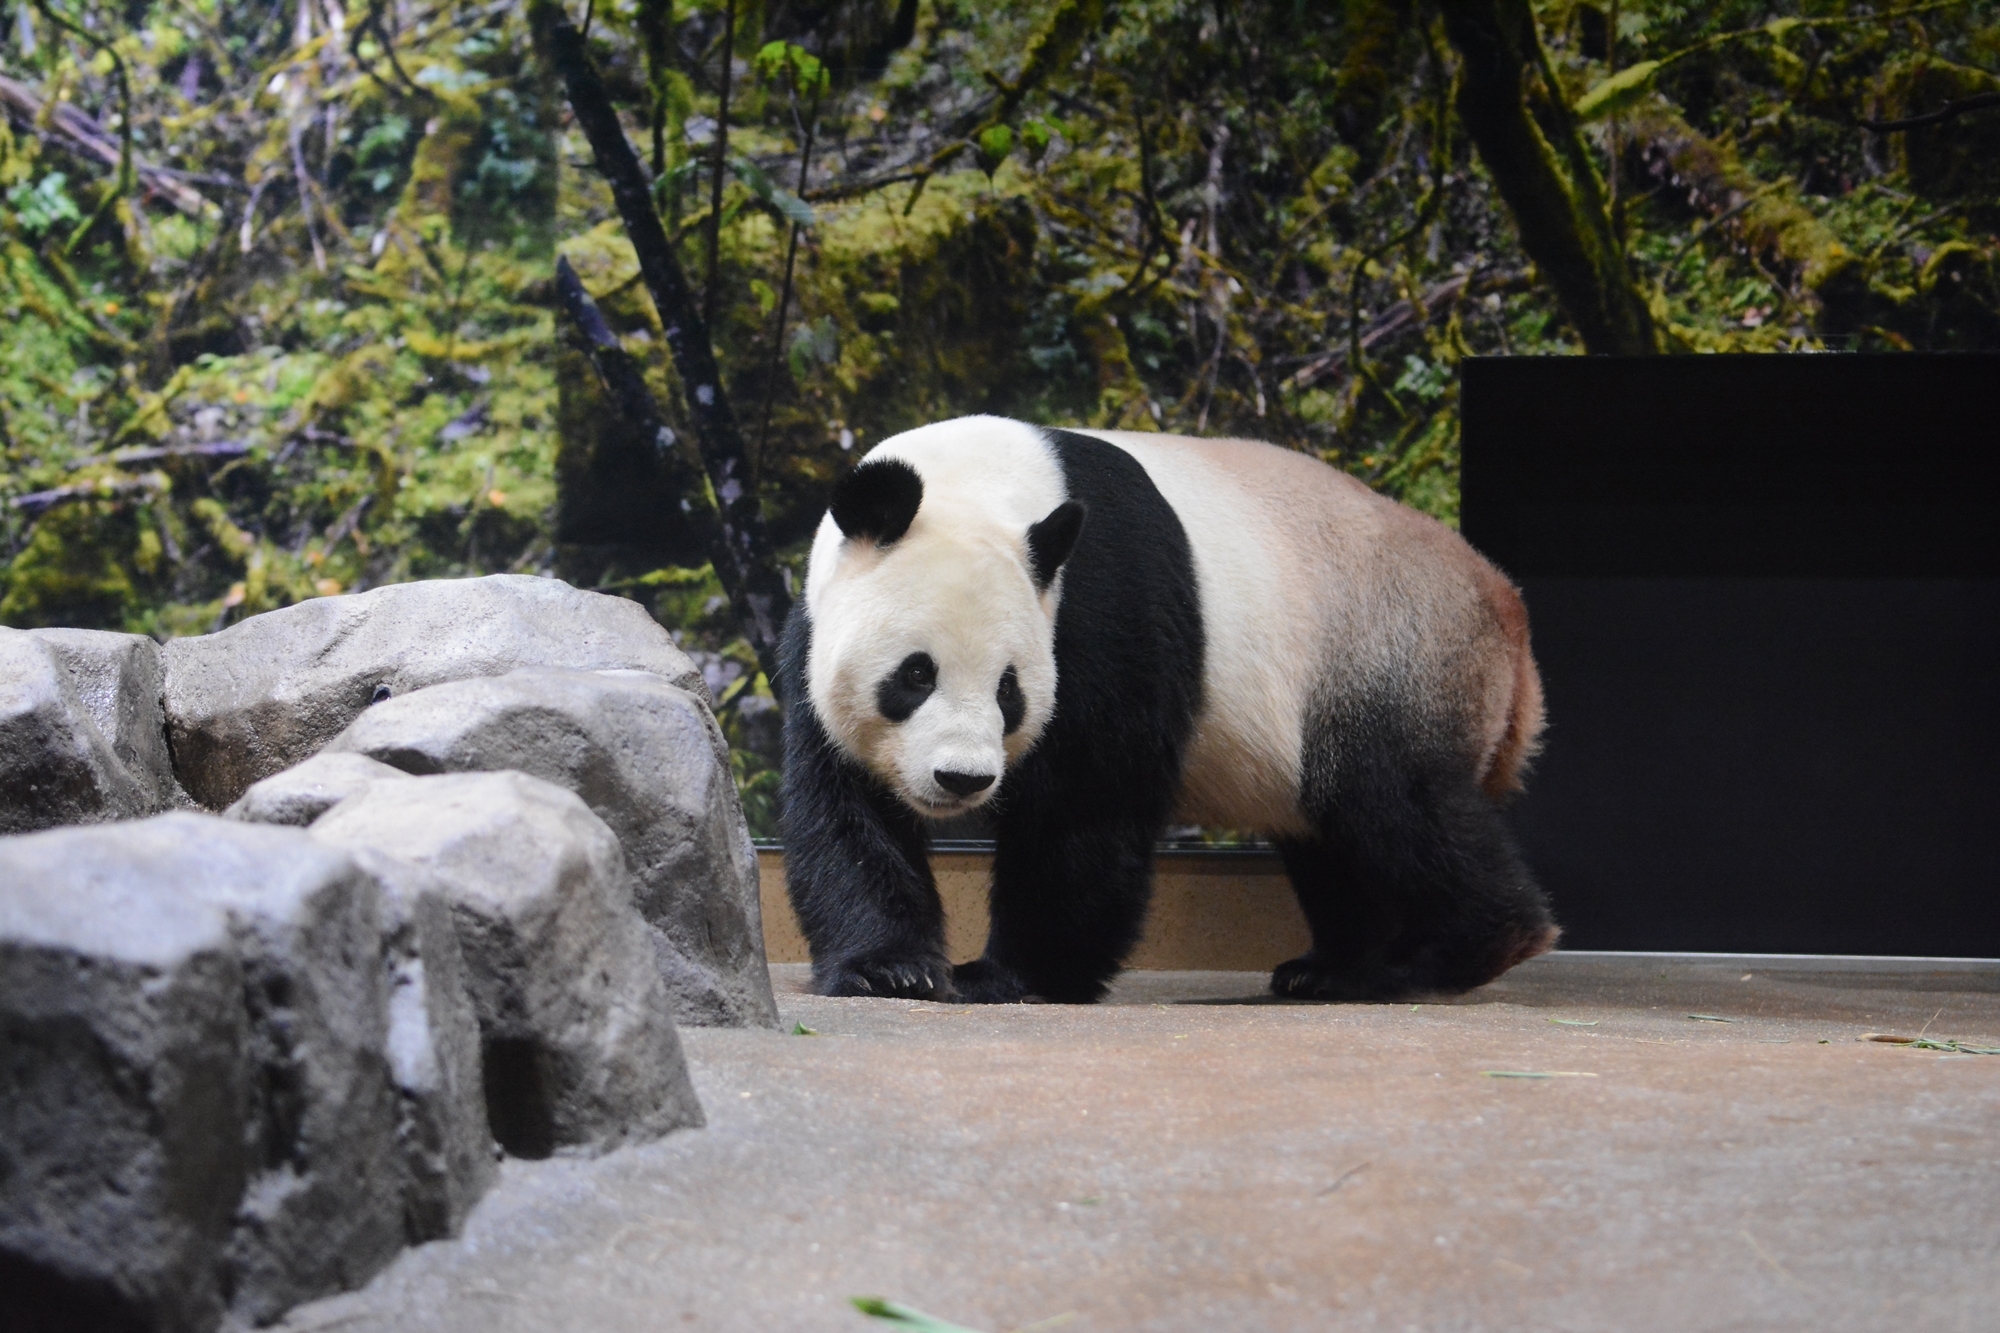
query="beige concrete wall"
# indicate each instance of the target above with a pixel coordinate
(1226, 911)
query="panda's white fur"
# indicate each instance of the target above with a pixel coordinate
(1312, 582)
(956, 586)
(1263, 656)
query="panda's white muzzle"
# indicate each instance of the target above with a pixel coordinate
(951, 756)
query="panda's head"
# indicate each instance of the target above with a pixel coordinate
(933, 657)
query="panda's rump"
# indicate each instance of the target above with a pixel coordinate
(1318, 595)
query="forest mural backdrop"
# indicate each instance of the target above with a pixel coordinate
(301, 298)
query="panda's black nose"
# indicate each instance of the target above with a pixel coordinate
(962, 784)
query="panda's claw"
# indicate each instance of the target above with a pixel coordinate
(892, 978)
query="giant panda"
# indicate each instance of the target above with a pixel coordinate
(1092, 634)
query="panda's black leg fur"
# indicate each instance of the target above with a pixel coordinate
(1415, 886)
(1349, 926)
(1068, 904)
(857, 864)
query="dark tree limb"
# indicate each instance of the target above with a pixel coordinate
(744, 561)
(1951, 110)
(1560, 213)
(1053, 48)
(376, 23)
(624, 382)
(791, 258)
(1401, 319)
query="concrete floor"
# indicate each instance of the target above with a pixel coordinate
(1174, 1160)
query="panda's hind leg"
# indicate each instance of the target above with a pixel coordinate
(1351, 927)
(1414, 885)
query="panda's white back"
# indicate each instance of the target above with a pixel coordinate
(1312, 584)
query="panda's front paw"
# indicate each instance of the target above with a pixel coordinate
(886, 976)
(983, 981)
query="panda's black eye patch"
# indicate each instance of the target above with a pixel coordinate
(1013, 704)
(906, 688)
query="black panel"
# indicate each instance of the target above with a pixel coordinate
(1765, 604)
(1870, 466)
(1769, 765)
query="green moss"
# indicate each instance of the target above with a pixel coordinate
(76, 569)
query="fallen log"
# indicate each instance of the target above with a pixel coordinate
(1404, 318)
(80, 132)
(36, 503)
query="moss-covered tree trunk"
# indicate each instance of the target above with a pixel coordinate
(1507, 100)
(744, 561)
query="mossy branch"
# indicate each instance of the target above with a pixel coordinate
(1560, 213)
(122, 183)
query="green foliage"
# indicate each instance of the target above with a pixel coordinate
(39, 207)
(321, 352)
(787, 60)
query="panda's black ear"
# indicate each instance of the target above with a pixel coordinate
(1051, 540)
(878, 500)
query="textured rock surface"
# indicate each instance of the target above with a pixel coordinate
(647, 757)
(579, 1046)
(123, 1064)
(82, 735)
(267, 693)
(197, 1017)
(304, 792)
(120, 679)
(433, 1048)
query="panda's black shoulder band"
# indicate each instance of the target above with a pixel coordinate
(878, 500)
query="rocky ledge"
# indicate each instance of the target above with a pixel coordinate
(475, 852)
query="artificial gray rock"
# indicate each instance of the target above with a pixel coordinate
(121, 681)
(264, 694)
(579, 1050)
(304, 792)
(198, 1096)
(648, 758)
(82, 734)
(434, 1052)
(124, 1089)
(433, 1043)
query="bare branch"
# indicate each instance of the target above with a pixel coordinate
(1951, 110)
(153, 453)
(40, 502)
(713, 278)
(744, 561)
